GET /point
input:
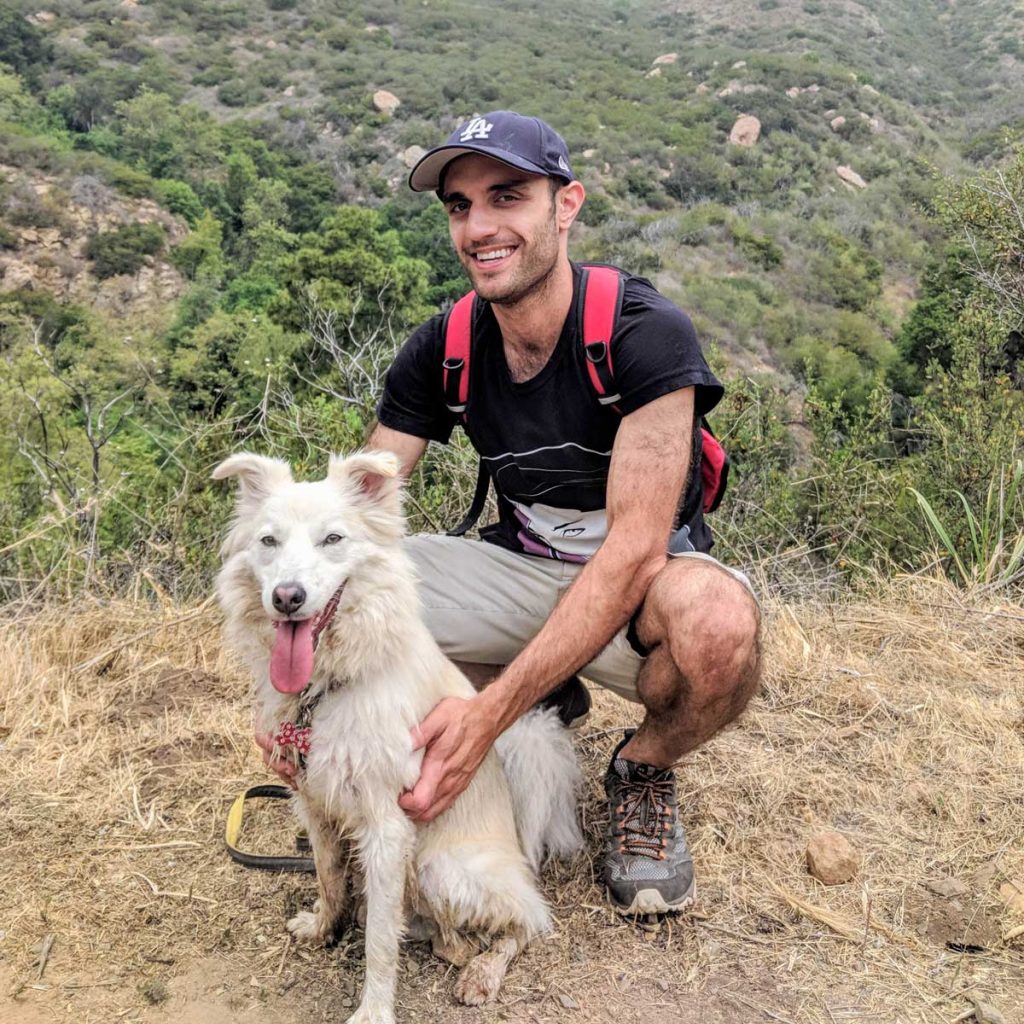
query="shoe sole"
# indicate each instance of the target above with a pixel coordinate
(650, 901)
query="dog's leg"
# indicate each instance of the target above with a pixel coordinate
(385, 847)
(331, 855)
(480, 980)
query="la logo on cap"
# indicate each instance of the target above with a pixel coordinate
(478, 128)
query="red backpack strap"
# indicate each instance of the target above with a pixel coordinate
(458, 344)
(601, 291)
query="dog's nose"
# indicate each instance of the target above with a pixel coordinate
(289, 597)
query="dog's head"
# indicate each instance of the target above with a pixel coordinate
(303, 542)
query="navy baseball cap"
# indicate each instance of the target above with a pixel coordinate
(523, 142)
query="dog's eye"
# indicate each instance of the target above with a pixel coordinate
(333, 538)
(268, 541)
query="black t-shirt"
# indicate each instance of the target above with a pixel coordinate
(547, 441)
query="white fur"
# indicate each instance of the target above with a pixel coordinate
(380, 673)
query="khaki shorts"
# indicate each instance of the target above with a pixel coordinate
(484, 604)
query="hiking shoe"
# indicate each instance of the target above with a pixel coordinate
(647, 867)
(572, 699)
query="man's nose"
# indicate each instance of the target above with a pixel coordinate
(288, 597)
(481, 224)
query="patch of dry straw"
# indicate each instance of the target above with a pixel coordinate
(894, 717)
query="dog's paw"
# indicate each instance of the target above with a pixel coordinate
(480, 980)
(375, 1014)
(309, 927)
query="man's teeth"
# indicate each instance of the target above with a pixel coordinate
(498, 254)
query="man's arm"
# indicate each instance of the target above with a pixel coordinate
(649, 464)
(407, 447)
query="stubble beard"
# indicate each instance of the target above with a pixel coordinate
(531, 277)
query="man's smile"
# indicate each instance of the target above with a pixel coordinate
(493, 257)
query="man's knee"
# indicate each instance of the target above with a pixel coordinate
(710, 622)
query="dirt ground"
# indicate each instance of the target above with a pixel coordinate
(895, 718)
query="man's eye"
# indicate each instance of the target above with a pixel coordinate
(333, 538)
(268, 541)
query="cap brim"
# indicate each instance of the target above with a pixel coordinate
(426, 175)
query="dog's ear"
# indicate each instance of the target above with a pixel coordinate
(372, 479)
(258, 476)
(373, 473)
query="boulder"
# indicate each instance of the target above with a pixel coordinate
(653, 73)
(739, 64)
(746, 131)
(851, 177)
(869, 89)
(832, 859)
(412, 155)
(666, 58)
(702, 89)
(385, 102)
(589, 154)
(837, 122)
(793, 91)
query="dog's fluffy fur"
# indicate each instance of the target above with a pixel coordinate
(466, 878)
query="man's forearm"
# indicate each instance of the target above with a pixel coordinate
(597, 605)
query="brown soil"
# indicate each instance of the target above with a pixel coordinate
(895, 719)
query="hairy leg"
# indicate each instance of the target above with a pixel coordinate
(331, 855)
(480, 980)
(385, 847)
(702, 627)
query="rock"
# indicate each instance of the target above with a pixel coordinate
(653, 73)
(290, 91)
(385, 102)
(850, 176)
(589, 154)
(837, 122)
(42, 18)
(17, 275)
(831, 858)
(739, 64)
(869, 89)
(985, 1013)
(1012, 894)
(793, 91)
(948, 888)
(746, 131)
(815, 88)
(666, 58)
(568, 1003)
(271, 44)
(703, 89)
(412, 155)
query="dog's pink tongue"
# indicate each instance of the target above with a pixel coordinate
(291, 660)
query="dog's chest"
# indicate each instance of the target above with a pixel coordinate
(361, 757)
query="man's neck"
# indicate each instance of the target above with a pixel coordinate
(535, 324)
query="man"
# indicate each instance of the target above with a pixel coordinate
(593, 566)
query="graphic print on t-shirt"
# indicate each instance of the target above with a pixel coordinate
(541, 477)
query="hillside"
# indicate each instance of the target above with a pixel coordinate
(204, 230)
(893, 717)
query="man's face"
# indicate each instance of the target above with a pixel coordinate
(504, 226)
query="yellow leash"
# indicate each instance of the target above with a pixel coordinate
(233, 829)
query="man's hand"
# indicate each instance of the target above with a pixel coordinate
(457, 735)
(284, 769)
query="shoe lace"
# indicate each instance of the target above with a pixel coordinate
(644, 817)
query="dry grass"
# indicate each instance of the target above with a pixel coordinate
(894, 717)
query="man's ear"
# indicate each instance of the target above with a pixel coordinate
(569, 202)
(258, 477)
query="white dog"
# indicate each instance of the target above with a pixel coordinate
(321, 601)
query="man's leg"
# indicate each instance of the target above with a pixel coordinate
(700, 626)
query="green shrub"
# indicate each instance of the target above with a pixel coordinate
(123, 250)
